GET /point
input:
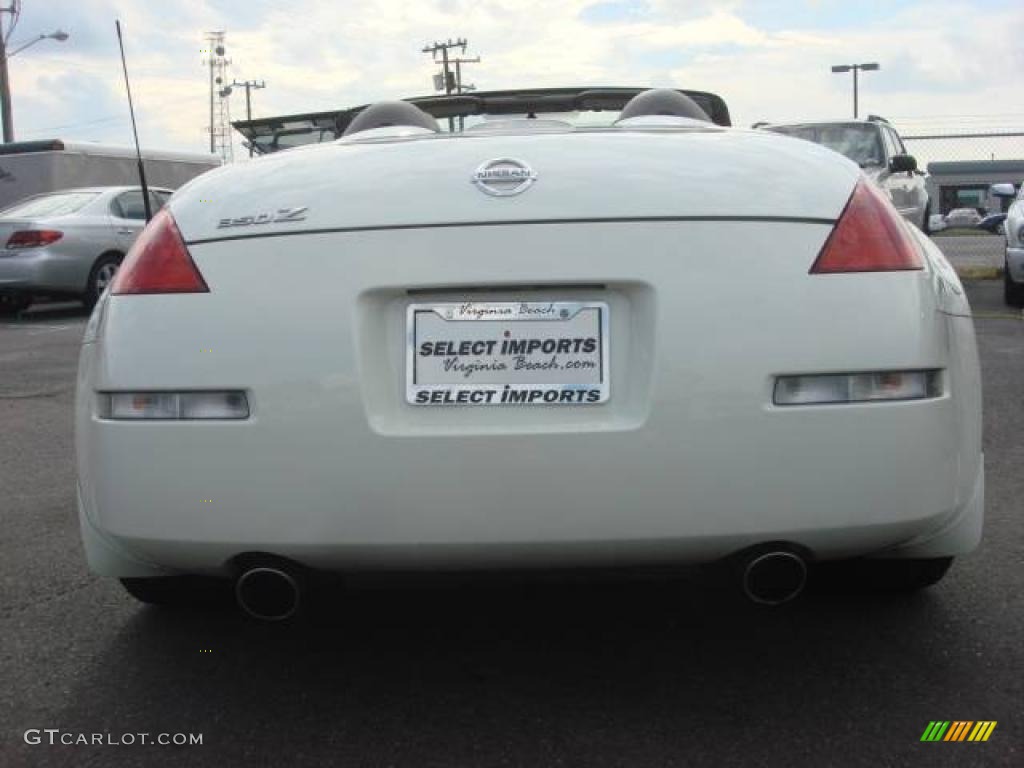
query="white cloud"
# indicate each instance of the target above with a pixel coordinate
(323, 54)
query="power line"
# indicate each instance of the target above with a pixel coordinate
(104, 119)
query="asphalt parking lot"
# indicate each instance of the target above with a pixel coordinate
(512, 674)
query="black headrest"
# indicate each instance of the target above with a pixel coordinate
(662, 101)
(388, 113)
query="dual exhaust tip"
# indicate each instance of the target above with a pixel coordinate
(273, 592)
(773, 577)
(269, 592)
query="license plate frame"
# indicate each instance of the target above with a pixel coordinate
(582, 375)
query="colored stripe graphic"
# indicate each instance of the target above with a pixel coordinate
(984, 730)
(935, 730)
(958, 730)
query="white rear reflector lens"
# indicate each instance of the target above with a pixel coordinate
(174, 405)
(856, 387)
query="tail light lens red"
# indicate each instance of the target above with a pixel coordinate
(159, 262)
(869, 237)
(33, 238)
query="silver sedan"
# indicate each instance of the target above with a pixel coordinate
(68, 243)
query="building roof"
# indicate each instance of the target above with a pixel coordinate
(107, 150)
(976, 167)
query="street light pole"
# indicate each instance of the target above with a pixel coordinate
(60, 36)
(5, 85)
(5, 82)
(871, 66)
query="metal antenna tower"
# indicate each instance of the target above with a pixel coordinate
(220, 105)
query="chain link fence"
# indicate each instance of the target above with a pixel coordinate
(964, 146)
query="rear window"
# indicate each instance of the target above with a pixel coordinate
(45, 206)
(860, 143)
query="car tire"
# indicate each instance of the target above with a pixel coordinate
(180, 591)
(14, 302)
(100, 275)
(926, 222)
(1013, 292)
(880, 576)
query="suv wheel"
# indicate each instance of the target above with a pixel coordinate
(1013, 292)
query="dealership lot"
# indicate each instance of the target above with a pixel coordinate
(662, 673)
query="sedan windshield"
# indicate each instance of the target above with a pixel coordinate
(860, 143)
(45, 206)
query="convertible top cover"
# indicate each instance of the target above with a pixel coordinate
(271, 134)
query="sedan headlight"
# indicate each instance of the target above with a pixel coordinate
(823, 389)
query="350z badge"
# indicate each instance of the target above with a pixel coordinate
(267, 217)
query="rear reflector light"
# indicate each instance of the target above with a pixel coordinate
(178, 406)
(856, 387)
(869, 237)
(159, 262)
(33, 238)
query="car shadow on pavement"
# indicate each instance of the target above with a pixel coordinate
(48, 313)
(539, 674)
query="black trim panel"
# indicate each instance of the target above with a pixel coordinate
(520, 222)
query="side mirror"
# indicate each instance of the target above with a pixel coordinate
(1002, 190)
(903, 164)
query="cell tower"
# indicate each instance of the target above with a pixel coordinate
(220, 104)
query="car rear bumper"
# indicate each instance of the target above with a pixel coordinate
(41, 269)
(200, 495)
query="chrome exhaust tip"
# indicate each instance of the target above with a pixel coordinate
(774, 578)
(268, 594)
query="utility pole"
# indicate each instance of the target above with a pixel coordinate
(249, 85)
(442, 48)
(5, 83)
(459, 88)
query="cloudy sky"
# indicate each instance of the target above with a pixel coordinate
(944, 63)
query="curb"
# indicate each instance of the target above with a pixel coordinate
(979, 273)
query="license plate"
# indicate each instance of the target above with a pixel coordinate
(507, 353)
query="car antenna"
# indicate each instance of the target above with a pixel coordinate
(135, 130)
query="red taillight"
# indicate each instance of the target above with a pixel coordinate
(159, 262)
(33, 238)
(869, 237)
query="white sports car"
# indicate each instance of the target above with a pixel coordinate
(538, 342)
